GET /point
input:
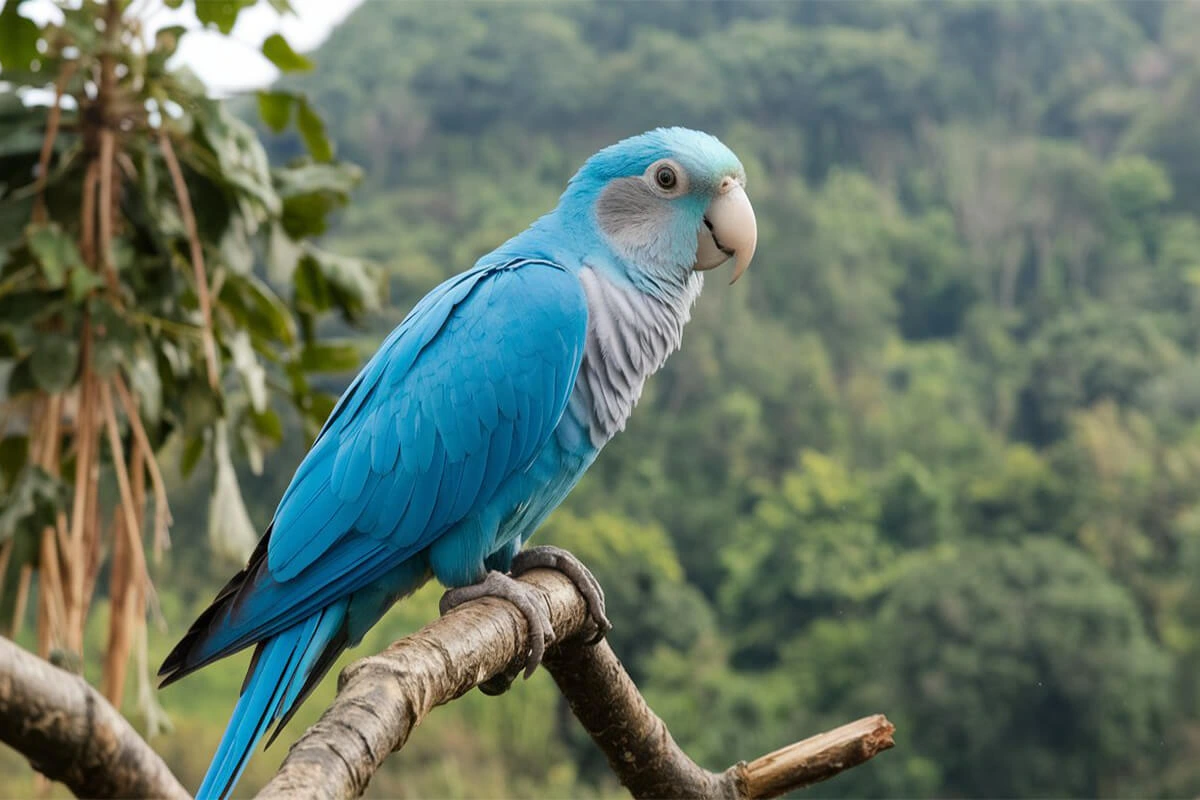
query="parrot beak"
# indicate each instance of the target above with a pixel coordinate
(729, 231)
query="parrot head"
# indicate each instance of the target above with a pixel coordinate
(669, 201)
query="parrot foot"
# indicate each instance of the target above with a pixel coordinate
(550, 557)
(528, 601)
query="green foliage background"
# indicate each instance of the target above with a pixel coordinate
(938, 455)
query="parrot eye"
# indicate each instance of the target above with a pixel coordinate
(666, 178)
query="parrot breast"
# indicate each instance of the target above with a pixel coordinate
(630, 333)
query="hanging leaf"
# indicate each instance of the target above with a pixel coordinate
(56, 252)
(221, 13)
(258, 310)
(254, 377)
(283, 252)
(330, 356)
(20, 379)
(18, 39)
(251, 447)
(146, 385)
(193, 450)
(82, 282)
(267, 425)
(236, 250)
(25, 546)
(275, 109)
(54, 362)
(32, 503)
(14, 449)
(166, 42)
(326, 280)
(114, 339)
(312, 130)
(280, 53)
(231, 534)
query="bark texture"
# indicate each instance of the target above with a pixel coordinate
(71, 734)
(645, 757)
(383, 697)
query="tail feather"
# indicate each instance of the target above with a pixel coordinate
(285, 669)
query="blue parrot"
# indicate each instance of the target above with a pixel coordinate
(472, 422)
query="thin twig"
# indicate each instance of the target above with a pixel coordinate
(197, 251)
(141, 576)
(162, 511)
(52, 121)
(86, 450)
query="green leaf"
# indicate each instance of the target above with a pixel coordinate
(115, 339)
(329, 357)
(20, 379)
(280, 53)
(236, 250)
(201, 408)
(54, 361)
(337, 179)
(252, 444)
(326, 281)
(245, 361)
(221, 13)
(82, 282)
(267, 425)
(55, 251)
(25, 547)
(166, 41)
(312, 130)
(18, 39)
(173, 3)
(32, 504)
(14, 450)
(146, 385)
(275, 109)
(241, 161)
(283, 252)
(231, 533)
(193, 449)
(22, 129)
(258, 309)
(310, 193)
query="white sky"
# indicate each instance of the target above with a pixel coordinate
(232, 64)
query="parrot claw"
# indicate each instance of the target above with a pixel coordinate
(550, 557)
(527, 600)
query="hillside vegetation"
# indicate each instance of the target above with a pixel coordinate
(937, 455)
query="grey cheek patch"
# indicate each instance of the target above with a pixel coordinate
(633, 218)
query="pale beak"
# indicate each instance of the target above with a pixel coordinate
(730, 230)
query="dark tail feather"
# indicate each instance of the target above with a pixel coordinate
(284, 670)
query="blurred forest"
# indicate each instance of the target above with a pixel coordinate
(937, 456)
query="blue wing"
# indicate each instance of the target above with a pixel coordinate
(463, 394)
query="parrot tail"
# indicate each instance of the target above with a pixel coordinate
(285, 669)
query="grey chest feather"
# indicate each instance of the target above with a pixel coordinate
(630, 334)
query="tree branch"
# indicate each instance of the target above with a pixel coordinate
(71, 734)
(383, 697)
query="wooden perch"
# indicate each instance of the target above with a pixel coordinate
(382, 698)
(71, 734)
